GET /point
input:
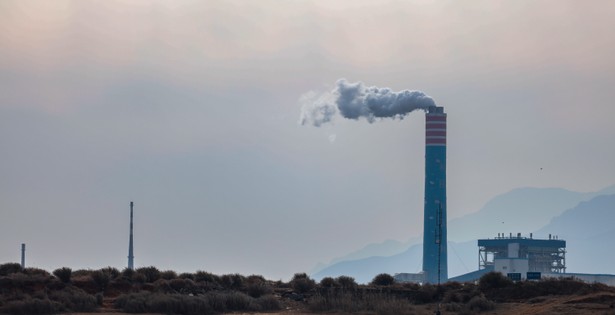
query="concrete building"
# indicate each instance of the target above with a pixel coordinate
(517, 254)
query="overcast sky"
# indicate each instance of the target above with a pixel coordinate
(191, 108)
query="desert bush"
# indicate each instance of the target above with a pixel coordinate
(493, 280)
(163, 286)
(183, 304)
(282, 285)
(111, 271)
(74, 299)
(452, 297)
(383, 279)
(82, 273)
(257, 286)
(524, 290)
(328, 282)
(168, 275)
(237, 301)
(366, 302)
(32, 307)
(133, 302)
(163, 303)
(301, 283)
(186, 275)
(9, 268)
(63, 274)
(479, 304)
(36, 272)
(151, 273)
(25, 281)
(204, 276)
(101, 279)
(426, 293)
(346, 282)
(269, 303)
(181, 285)
(100, 298)
(232, 281)
(138, 277)
(127, 273)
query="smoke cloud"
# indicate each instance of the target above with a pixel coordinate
(355, 100)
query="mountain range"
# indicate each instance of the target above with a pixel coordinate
(584, 220)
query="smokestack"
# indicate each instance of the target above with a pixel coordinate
(435, 257)
(23, 256)
(131, 258)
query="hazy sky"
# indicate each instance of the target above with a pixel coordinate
(191, 110)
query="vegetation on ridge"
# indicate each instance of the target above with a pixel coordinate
(149, 290)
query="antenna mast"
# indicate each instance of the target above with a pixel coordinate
(23, 256)
(131, 257)
(439, 242)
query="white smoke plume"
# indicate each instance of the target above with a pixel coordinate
(355, 100)
(317, 109)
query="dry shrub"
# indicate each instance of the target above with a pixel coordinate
(346, 282)
(301, 283)
(328, 282)
(367, 302)
(63, 274)
(186, 275)
(210, 303)
(102, 279)
(383, 279)
(257, 286)
(75, 300)
(493, 280)
(182, 285)
(269, 303)
(32, 307)
(232, 281)
(36, 271)
(151, 273)
(168, 275)
(9, 268)
(480, 304)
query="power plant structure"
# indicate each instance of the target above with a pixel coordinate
(435, 262)
(131, 257)
(519, 258)
(516, 254)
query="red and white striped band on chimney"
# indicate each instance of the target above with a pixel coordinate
(435, 130)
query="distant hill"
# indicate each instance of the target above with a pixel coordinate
(386, 248)
(364, 270)
(589, 231)
(521, 210)
(524, 210)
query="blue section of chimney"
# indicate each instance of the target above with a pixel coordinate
(434, 256)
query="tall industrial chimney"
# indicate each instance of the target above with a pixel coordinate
(435, 263)
(131, 257)
(23, 256)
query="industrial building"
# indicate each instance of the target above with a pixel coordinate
(517, 254)
(512, 255)
(524, 258)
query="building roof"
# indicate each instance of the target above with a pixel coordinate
(529, 242)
